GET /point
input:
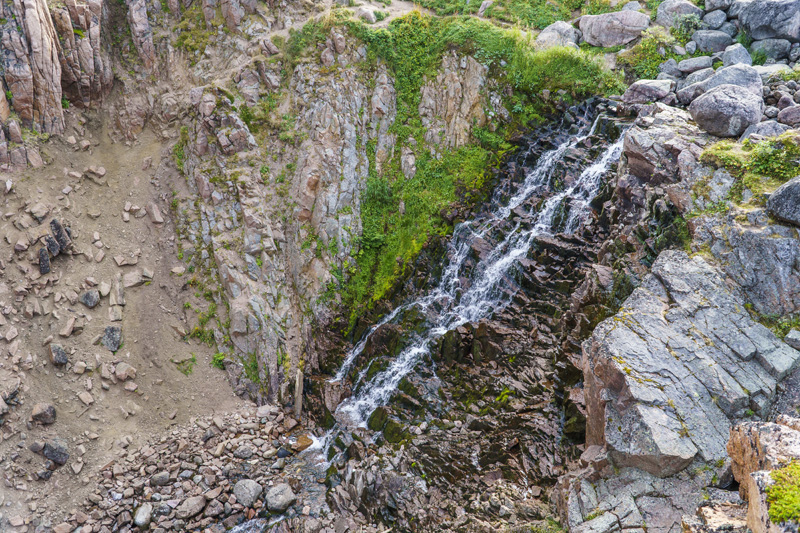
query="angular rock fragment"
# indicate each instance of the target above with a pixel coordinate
(90, 298)
(60, 235)
(112, 338)
(44, 261)
(57, 355)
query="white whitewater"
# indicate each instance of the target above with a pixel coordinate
(451, 304)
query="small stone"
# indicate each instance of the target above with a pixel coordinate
(44, 261)
(159, 479)
(56, 451)
(191, 507)
(280, 497)
(112, 338)
(57, 355)
(793, 339)
(132, 279)
(90, 298)
(155, 214)
(86, 398)
(247, 492)
(143, 515)
(43, 413)
(124, 371)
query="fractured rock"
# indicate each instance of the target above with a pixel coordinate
(57, 355)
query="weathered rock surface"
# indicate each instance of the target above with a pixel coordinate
(280, 497)
(784, 203)
(681, 358)
(771, 19)
(141, 32)
(670, 10)
(86, 72)
(247, 492)
(646, 91)
(727, 110)
(613, 29)
(32, 69)
(559, 33)
(740, 74)
(759, 257)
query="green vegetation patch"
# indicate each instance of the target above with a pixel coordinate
(400, 215)
(783, 497)
(528, 13)
(758, 166)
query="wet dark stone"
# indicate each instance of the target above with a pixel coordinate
(90, 298)
(60, 235)
(112, 338)
(283, 453)
(52, 245)
(56, 451)
(44, 261)
(57, 355)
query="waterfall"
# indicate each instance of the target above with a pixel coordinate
(450, 304)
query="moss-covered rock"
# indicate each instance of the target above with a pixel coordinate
(377, 420)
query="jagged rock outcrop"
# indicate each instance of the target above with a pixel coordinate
(760, 257)
(757, 449)
(141, 32)
(664, 379)
(771, 19)
(679, 360)
(454, 101)
(86, 72)
(31, 65)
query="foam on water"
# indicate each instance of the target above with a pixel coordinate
(450, 304)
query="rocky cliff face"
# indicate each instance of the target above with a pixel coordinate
(643, 360)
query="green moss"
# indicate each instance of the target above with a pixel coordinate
(759, 167)
(783, 497)
(377, 420)
(393, 432)
(412, 47)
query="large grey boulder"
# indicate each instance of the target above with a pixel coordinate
(712, 40)
(767, 128)
(669, 10)
(740, 75)
(645, 91)
(771, 19)
(772, 48)
(613, 29)
(681, 359)
(715, 19)
(247, 492)
(712, 5)
(769, 71)
(784, 203)
(280, 497)
(736, 54)
(693, 64)
(559, 33)
(727, 110)
(790, 116)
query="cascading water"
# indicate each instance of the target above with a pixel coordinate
(453, 302)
